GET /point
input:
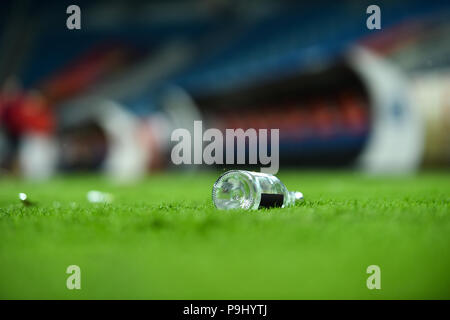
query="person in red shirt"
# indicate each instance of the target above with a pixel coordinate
(22, 113)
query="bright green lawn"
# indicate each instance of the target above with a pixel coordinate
(162, 239)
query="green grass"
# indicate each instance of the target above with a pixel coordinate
(163, 239)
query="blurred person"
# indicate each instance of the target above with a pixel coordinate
(28, 127)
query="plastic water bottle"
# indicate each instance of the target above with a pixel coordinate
(240, 189)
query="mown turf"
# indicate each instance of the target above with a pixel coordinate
(162, 239)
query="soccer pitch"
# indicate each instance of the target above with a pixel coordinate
(162, 239)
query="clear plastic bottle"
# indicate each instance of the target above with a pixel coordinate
(240, 189)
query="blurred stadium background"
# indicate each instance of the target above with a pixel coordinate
(82, 109)
(106, 97)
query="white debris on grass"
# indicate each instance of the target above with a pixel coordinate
(95, 196)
